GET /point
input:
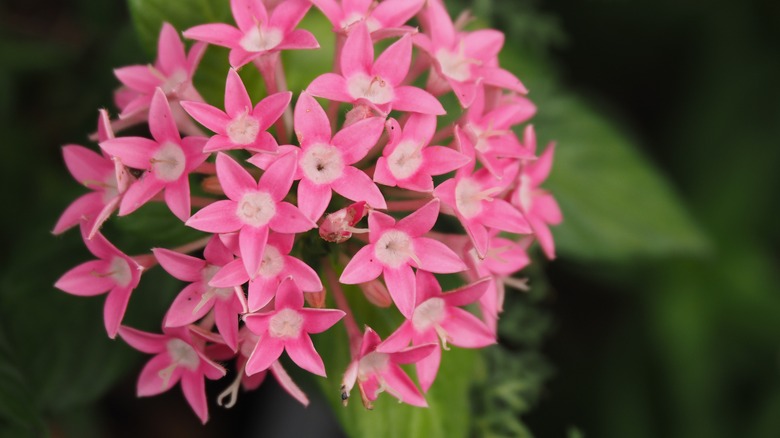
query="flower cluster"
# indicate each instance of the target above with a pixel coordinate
(463, 198)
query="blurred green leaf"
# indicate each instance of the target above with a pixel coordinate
(19, 416)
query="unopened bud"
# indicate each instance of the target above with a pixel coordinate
(211, 185)
(358, 113)
(339, 226)
(376, 293)
(315, 299)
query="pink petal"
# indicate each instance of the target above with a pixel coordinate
(265, 142)
(378, 223)
(466, 330)
(181, 266)
(170, 50)
(194, 388)
(393, 64)
(437, 257)
(400, 338)
(422, 220)
(86, 279)
(182, 310)
(87, 166)
(545, 238)
(252, 242)
(102, 216)
(278, 177)
(502, 215)
(135, 152)
(207, 115)
(261, 291)
(221, 143)
(282, 242)
(420, 127)
(265, 353)
(403, 386)
(237, 99)
(313, 199)
(427, 286)
(330, 86)
(362, 267)
(428, 367)
(501, 78)
(149, 381)
(357, 139)
(257, 323)
(177, 197)
(331, 9)
(219, 34)
(305, 277)
(466, 92)
(394, 13)
(467, 294)
(408, 355)
(114, 309)
(370, 341)
(439, 25)
(161, 122)
(239, 57)
(479, 236)
(357, 186)
(311, 123)
(139, 193)
(138, 78)
(227, 323)
(416, 100)
(194, 56)
(234, 179)
(540, 169)
(547, 208)
(287, 14)
(360, 6)
(401, 285)
(248, 13)
(440, 160)
(150, 343)
(302, 352)
(289, 295)
(357, 56)
(287, 383)
(319, 320)
(84, 207)
(270, 109)
(217, 253)
(289, 219)
(219, 217)
(232, 274)
(382, 174)
(483, 43)
(298, 39)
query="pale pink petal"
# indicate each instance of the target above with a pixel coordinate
(446, 192)
(139, 193)
(261, 291)
(370, 342)
(237, 99)
(545, 238)
(114, 309)
(467, 294)
(234, 179)
(437, 257)
(428, 367)
(466, 330)
(401, 285)
(305, 277)
(416, 100)
(400, 338)
(252, 242)
(290, 220)
(501, 78)
(248, 13)
(177, 197)
(502, 215)
(264, 142)
(194, 56)
(134, 111)
(394, 13)
(393, 64)
(302, 352)
(357, 186)
(287, 383)
(181, 266)
(194, 388)
(220, 143)
(362, 267)
(84, 207)
(382, 174)
(138, 78)
(298, 39)
(313, 199)
(357, 55)
(149, 381)
(378, 223)
(466, 92)
(479, 236)
(232, 274)
(150, 343)
(227, 324)
(170, 50)
(102, 216)
(483, 43)
(401, 385)
(311, 123)
(427, 286)
(135, 152)
(330, 86)
(219, 34)
(408, 355)
(87, 166)
(289, 13)
(283, 242)
(546, 207)
(420, 127)
(439, 24)
(207, 115)
(360, 6)
(540, 169)
(87, 279)
(265, 353)
(271, 108)
(331, 9)
(289, 295)
(319, 320)
(278, 177)
(217, 253)
(161, 122)
(422, 220)
(239, 57)
(219, 217)
(357, 139)
(257, 323)
(440, 160)
(183, 309)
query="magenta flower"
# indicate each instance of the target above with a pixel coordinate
(108, 179)
(172, 72)
(198, 298)
(240, 126)
(377, 369)
(179, 357)
(375, 84)
(287, 327)
(113, 272)
(409, 162)
(388, 15)
(275, 266)
(252, 208)
(167, 160)
(437, 317)
(395, 247)
(258, 33)
(537, 204)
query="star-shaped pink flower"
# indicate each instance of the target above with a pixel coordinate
(178, 357)
(287, 327)
(113, 272)
(258, 33)
(376, 84)
(252, 208)
(395, 247)
(387, 16)
(240, 126)
(168, 160)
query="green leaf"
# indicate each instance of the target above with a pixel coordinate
(19, 415)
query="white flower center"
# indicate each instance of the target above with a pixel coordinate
(373, 363)
(394, 249)
(430, 313)
(272, 263)
(524, 193)
(405, 160)
(173, 82)
(256, 208)
(120, 271)
(469, 196)
(455, 65)
(261, 40)
(243, 129)
(375, 90)
(286, 323)
(182, 354)
(322, 163)
(168, 162)
(110, 188)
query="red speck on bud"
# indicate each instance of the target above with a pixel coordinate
(376, 293)
(339, 226)
(315, 299)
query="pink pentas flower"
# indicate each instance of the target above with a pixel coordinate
(408, 161)
(438, 318)
(275, 266)
(172, 72)
(538, 205)
(199, 297)
(107, 178)
(252, 208)
(112, 272)
(394, 248)
(258, 33)
(168, 160)
(377, 84)
(376, 369)
(388, 15)
(462, 61)
(240, 126)
(287, 328)
(179, 357)
(473, 199)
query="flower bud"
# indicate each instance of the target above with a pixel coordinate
(315, 299)
(376, 293)
(339, 226)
